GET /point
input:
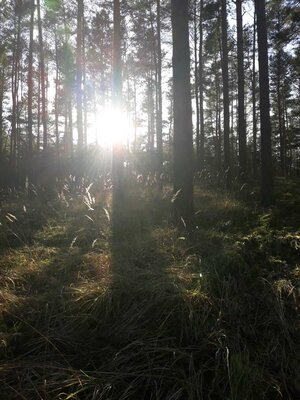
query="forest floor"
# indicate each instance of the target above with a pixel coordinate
(92, 309)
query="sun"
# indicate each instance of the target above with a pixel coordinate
(110, 127)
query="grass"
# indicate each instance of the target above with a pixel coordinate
(135, 310)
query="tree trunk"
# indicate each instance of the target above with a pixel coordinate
(79, 74)
(85, 111)
(56, 97)
(30, 82)
(265, 125)
(159, 93)
(183, 128)
(43, 78)
(196, 81)
(118, 151)
(218, 144)
(70, 125)
(95, 114)
(201, 94)
(150, 110)
(66, 125)
(241, 95)
(38, 138)
(254, 124)
(226, 114)
(135, 114)
(1, 105)
(280, 110)
(14, 89)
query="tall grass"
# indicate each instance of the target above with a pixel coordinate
(89, 313)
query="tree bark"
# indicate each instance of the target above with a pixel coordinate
(225, 77)
(85, 108)
(254, 122)
(118, 151)
(30, 81)
(267, 196)
(159, 93)
(79, 73)
(2, 78)
(241, 95)
(201, 93)
(183, 129)
(280, 110)
(14, 89)
(150, 110)
(56, 97)
(196, 81)
(43, 78)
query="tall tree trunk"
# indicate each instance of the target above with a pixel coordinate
(43, 78)
(15, 88)
(225, 77)
(218, 125)
(95, 114)
(196, 72)
(150, 110)
(135, 114)
(68, 134)
(155, 67)
(159, 133)
(2, 78)
(66, 126)
(13, 109)
(30, 82)
(241, 95)
(201, 92)
(280, 110)
(118, 162)
(85, 112)
(70, 125)
(38, 138)
(265, 125)
(79, 73)
(56, 112)
(254, 122)
(287, 138)
(183, 128)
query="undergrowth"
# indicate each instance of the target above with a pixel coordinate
(96, 310)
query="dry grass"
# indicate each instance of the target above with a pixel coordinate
(89, 313)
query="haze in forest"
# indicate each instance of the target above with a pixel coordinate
(149, 199)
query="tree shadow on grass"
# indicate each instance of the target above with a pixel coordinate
(111, 324)
(158, 350)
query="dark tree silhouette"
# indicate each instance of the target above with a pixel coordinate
(117, 166)
(79, 73)
(183, 130)
(43, 78)
(30, 81)
(201, 84)
(241, 94)
(159, 127)
(225, 94)
(265, 125)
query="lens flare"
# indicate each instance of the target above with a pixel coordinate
(111, 127)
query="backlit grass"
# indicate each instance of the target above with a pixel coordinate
(88, 312)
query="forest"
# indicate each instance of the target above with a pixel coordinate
(149, 199)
